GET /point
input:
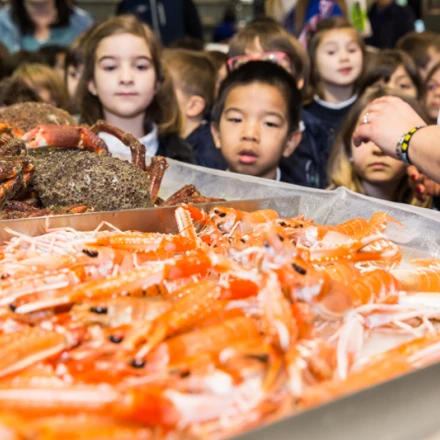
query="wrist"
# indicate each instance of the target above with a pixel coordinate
(403, 145)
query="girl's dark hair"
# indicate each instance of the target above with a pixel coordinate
(315, 40)
(163, 110)
(26, 25)
(266, 73)
(383, 64)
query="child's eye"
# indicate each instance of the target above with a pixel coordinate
(234, 120)
(331, 52)
(405, 86)
(109, 68)
(143, 66)
(271, 124)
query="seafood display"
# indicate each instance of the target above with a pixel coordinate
(56, 167)
(236, 321)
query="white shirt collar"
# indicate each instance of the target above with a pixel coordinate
(339, 105)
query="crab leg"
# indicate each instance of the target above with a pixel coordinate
(64, 136)
(137, 148)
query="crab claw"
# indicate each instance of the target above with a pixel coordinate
(64, 136)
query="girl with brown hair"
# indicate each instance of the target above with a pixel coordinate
(125, 83)
(365, 169)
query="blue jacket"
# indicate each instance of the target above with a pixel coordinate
(12, 38)
(307, 166)
(170, 19)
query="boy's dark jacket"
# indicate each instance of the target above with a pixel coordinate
(307, 165)
(173, 147)
(170, 19)
(202, 143)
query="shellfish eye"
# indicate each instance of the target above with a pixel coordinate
(283, 224)
(12, 307)
(280, 237)
(299, 269)
(222, 214)
(100, 310)
(138, 363)
(216, 211)
(115, 339)
(90, 253)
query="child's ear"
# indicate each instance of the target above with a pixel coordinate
(300, 83)
(92, 87)
(292, 142)
(195, 106)
(215, 134)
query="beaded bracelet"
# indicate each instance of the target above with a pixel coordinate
(403, 145)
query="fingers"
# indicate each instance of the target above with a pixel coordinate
(362, 133)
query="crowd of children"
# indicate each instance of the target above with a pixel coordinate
(269, 108)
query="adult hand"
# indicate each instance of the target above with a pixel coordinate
(422, 186)
(384, 121)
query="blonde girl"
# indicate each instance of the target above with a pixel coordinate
(336, 52)
(365, 169)
(44, 82)
(125, 83)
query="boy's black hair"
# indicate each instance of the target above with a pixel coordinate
(267, 73)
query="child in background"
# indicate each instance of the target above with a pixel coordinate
(14, 91)
(55, 57)
(218, 59)
(255, 120)
(266, 40)
(394, 69)
(124, 83)
(194, 83)
(423, 48)
(365, 169)
(431, 99)
(73, 69)
(44, 82)
(336, 51)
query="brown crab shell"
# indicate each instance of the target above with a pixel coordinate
(28, 115)
(70, 176)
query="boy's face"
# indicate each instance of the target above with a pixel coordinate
(253, 132)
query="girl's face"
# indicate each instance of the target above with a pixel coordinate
(125, 78)
(253, 131)
(339, 57)
(372, 166)
(432, 100)
(399, 80)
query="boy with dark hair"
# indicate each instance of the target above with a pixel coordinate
(255, 121)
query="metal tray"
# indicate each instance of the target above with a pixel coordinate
(144, 220)
(405, 408)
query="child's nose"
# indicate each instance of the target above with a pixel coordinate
(126, 74)
(377, 151)
(250, 132)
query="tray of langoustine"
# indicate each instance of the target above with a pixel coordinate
(242, 319)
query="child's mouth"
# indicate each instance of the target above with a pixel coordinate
(247, 157)
(345, 70)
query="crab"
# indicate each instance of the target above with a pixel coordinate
(75, 169)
